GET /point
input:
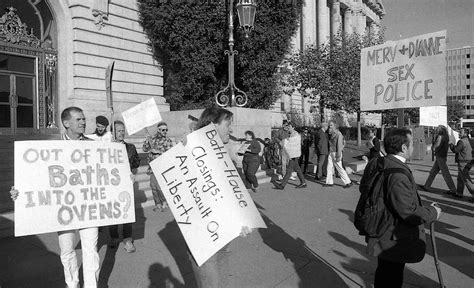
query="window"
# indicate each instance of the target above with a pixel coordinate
(468, 66)
(468, 76)
(468, 55)
(468, 86)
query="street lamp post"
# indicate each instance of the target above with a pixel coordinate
(231, 95)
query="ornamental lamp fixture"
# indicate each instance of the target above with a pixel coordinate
(246, 11)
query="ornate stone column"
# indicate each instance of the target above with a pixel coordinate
(348, 21)
(335, 17)
(361, 23)
(323, 29)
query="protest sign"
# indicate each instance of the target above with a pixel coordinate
(434, 116)
(205, 193)
(141, 116)
(65, 185)
(453, 136)
(404, 74)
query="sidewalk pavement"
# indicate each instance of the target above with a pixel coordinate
(310, 242)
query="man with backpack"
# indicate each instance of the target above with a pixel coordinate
(390, 213)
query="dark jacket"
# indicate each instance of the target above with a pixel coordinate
(133, 157)
(252, 155)
(322, 142)
(374, 152)
(404, 241)
(442, 149)
(463, 150)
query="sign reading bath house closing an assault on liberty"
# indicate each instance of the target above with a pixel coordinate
(404, 74)
(203, 188)
(65, 185)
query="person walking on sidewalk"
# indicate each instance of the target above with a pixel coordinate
(306, 141)
(74, 122)
(292, 147)
(251, 161)
(155, 146)
(374, 145)
(441, 147)
(134, 160)
(404, 240)
(463, 157)
(322, 151)
(336, 146)
(282, 134)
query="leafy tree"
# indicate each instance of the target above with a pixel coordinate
(331, 72)
(455, 110)
(389, 117)
(189, 39)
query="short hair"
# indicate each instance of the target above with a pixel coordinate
(116, 122)
(333, 122)
(66, 114)
(395, 139)
(161, 123)
(213, 115)
(248, 132)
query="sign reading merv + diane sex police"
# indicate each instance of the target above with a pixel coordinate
(404, 74)
(65, 185)
(205, 193)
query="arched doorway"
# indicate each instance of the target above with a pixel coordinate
(28, 61)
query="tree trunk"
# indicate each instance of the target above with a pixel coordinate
(359, 131)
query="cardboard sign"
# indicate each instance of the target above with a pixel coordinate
(434, 116)
(453, 136)
(141, 116)
(205, 193)
(65, 185)
(404, 74)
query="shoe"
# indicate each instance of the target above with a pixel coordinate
(114, 243)
(129, 247)
(279, 186)
(328, 185)
(302, 185)
(293, 178)
(158, 207)
(347, 185)
(449, 192)
(280, 177)
(457, 196)
(254, 189)
(164, 207)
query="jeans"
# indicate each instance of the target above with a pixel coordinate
(90, 257)
(158, 196)
(293, 166)
(389, 274)
(207, 275)
(332, 163)
(126, 231)
(250, 168)
(464, 179)
(440, 164)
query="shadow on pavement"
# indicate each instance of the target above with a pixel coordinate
(308, 266)
(175, 243)
(160, 276)
(366, 268)
(29, 255)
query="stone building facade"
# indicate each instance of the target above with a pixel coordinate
(319, 20)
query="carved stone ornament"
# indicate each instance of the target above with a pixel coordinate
(14, 31)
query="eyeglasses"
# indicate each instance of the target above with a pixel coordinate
(163, 130)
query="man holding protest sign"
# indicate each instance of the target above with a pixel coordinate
(101, 133)
(134, 160)
(155, 146)
(75, 123)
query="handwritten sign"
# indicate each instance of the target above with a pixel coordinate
(67, 185)
(434, 116)
(141, 116)
(205, 193)
(404, 74)
(453, 136)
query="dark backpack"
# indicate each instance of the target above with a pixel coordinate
(371, 216)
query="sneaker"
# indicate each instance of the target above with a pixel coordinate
(302, 185)
(164, 207)
(129, 247)
(280, 177)
(158, 207)
(279, 186)
(293, 178)
(114, 243)
(328, 185)
(347, 185)
(254, 189)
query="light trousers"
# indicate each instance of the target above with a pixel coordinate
(90, 257)
(333, 164)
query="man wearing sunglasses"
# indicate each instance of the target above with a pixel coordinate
(155, 146)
